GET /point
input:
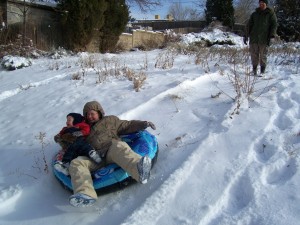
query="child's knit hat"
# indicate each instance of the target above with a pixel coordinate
(78, 118)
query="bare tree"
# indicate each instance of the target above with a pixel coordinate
(144, 5)
(180, 12)
(243, 10)
(24, 9)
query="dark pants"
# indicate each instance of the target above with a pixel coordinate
(79, 148)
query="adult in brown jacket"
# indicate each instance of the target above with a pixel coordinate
(105, 138)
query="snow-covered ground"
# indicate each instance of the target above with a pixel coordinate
(213, 167)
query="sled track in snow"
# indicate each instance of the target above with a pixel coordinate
(151, 211)
(10, 93)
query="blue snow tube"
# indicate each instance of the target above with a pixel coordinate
(141, 142)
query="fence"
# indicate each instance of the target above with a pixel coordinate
(42, 24)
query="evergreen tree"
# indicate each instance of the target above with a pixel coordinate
(288, 18)
(211, 11)
(80, 19)
(227, 12)
(221, 10)
(116, 18)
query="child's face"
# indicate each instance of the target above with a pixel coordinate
(69, 122)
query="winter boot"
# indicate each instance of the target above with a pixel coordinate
(262, 69)
(254, 70)
(95, 156)
(62, 167)
(144, 167)
(81, 200)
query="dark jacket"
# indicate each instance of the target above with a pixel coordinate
(262, 26)
(108, 128)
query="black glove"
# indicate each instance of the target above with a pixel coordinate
(150, 124)
(77, 134)
(245, 39)
(57, 138)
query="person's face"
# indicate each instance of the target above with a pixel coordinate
(262, 5)
(69, 122)
(92, 116)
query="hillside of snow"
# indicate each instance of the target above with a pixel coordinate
(218, 163)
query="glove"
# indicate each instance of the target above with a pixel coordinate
(77, 134)
(245, 39)
(69, 138)
(57, 138)
(150, 124)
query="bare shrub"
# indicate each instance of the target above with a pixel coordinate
(76, 76)
(54, 66)
(41, 137)
(128, 73)
(201, 58)
(171, 36)
(139, 80)
(165, 59)
(174, 99)
(108, 67)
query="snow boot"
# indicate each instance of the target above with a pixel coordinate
(254, 70)
(95, 156)
(62, 167)
(144, 167)
(262, 69)
(81, 200)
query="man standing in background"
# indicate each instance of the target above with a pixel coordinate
(261, 28)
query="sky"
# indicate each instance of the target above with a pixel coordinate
(162, 10)
(220, 161)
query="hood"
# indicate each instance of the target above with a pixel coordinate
(93, 105)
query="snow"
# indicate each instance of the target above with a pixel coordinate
(214, 166)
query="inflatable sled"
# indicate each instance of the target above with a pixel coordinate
(111, 175)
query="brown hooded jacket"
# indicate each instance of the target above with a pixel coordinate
(109, 128)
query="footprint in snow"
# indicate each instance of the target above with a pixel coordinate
(264, 150)
(281, 172)
(283, 122)
(240, 195)
(284, 103)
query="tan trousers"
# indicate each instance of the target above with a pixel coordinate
(258, 54)
(81, 167)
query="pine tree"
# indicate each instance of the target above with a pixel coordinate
(227, 12)
(210, 11)
(80, 20)
(288, 15)
(116, 18)
(221, 10)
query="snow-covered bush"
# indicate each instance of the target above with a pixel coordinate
(60, 53)
(14, 62)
